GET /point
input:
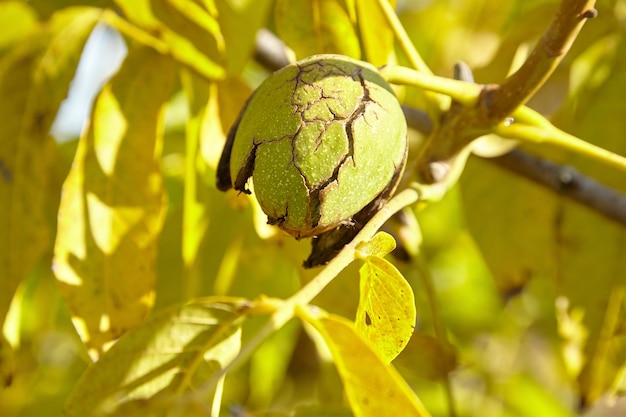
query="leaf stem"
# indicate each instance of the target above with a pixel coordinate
(554, 136)
(414, 58)
(436, 104)
(461, 91)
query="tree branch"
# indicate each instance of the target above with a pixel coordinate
(542, 61)
(460, 125)
(567, 182)
(269, 51)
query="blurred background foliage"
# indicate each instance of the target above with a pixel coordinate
(527, 286)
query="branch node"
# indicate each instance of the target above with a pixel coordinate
(567, 177)
(588, 14)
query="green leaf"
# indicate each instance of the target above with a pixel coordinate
(172, 353)
(386, 314)
(34, 79)
(185, 30)
(111, 208)
(376, 35)
(316, 27)
(380, 245)
(373, 387)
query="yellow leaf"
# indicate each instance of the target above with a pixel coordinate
(386, 313)
(111, 208)
(374, 388)
(380, 245)
(316, 27)
(34, 79)
(170, 354)
(183, 29)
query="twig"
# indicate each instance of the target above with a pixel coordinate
(567, 182)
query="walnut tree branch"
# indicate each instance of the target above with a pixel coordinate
(460, 125)
(542, 61)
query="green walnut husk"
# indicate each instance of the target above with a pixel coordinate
(321, 139)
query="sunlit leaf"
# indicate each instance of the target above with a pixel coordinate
(373, 387)
(378, 44)
(172, 353)
(316, 27)
(34, 79)
(185, 30)
(386, 314)
(112, 204)
(380, 245)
